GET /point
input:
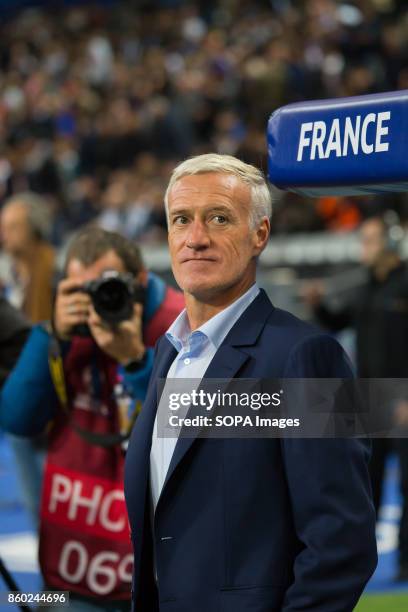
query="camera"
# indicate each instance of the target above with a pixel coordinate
(113, 296)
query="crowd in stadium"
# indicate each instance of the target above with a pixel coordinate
(98, 103)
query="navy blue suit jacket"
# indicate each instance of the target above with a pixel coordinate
(256, 525)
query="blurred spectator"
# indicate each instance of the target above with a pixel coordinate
(24, 225)
(379, 315)
(87, 91)
(27, 280)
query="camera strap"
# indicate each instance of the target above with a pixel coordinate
(56, 366)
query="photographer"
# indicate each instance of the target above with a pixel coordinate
(84, 378)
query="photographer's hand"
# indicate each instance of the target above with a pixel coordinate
(123, 342)
(71, 308)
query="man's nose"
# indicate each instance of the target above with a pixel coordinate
(197, 235)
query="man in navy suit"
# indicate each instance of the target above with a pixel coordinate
(234, 525)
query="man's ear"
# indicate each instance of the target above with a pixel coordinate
(261, 235)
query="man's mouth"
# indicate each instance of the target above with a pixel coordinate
(198, 259)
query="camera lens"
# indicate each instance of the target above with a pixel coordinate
(113, 301)
(111, 295)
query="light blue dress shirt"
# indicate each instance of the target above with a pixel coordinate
(195, 352)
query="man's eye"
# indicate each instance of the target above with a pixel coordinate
(220, 219)
(180, 220)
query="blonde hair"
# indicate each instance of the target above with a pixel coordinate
(261, 200)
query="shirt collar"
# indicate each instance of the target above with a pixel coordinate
(216, 328)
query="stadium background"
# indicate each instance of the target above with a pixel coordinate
(99, 100)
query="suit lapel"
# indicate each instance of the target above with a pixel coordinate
(227, 361)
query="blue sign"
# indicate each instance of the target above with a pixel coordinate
(350, 145)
